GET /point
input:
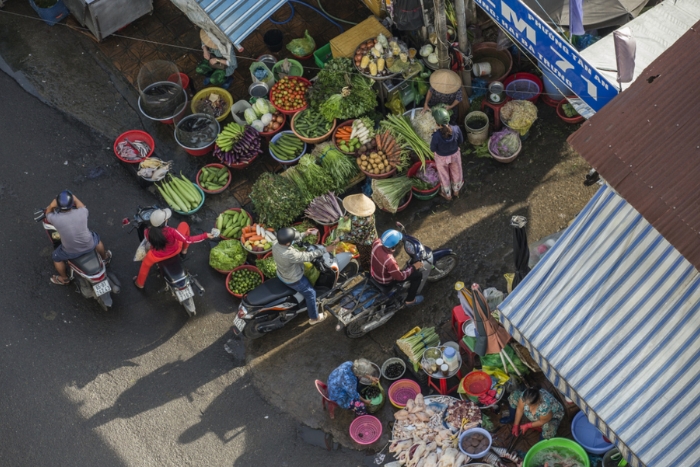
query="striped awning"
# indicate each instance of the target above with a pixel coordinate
(238, 18)
(612, 316)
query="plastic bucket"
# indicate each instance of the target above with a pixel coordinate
(588, 436)
(180, 112)
(551, 83)
(476, 136)
(556, 443)
(52, 14)
(481, 69)
(204, 149)
(470, 432)
(184, 79)
(273, 40)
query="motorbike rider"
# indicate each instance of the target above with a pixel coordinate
(290, 267)
(69, 216)
(385, 270)
(165, 242)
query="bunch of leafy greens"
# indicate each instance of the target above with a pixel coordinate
(267, 266)
(330, 80)
(317, 180)
(228, 254)
(359, 99)
(276, 200)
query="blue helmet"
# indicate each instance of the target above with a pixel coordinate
(65, 200)
(391, 238)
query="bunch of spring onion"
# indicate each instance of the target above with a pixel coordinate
(415, 345)
(295, 176)
(388, 193)
(324, 209)
(340, 167)
(407, 137)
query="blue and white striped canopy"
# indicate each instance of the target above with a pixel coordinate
(612, 316)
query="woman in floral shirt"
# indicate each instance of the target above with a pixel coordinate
(539, 407)
(343, 381)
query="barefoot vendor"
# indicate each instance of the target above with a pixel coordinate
(343, 381)
(445, 88)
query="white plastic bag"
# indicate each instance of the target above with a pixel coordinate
(494, 297)
(142, 250)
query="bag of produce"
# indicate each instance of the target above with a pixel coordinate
(302, 47)
(217, 78)
(311, 273)
(204, 68)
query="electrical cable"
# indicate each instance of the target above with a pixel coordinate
(291, 15)
(342, 29)
(331, 16)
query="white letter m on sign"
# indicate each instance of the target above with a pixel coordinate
(519, 24)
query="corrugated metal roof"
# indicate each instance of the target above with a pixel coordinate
(646, 144)
(238, 18)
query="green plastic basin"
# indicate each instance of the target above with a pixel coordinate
(556, 443)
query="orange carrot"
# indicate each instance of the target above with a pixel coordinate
(254, 238)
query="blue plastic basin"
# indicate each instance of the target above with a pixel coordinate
(588, 436)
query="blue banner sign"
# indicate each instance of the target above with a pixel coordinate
(551, 50)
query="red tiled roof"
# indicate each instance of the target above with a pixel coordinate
(646, 144)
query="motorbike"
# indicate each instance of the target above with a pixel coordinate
(273, 304)
(88, 271)
(364, 305)
(178, 279)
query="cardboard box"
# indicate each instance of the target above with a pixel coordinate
(345, 44)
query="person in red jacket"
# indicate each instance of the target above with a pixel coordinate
(385, 270)
(166, 242)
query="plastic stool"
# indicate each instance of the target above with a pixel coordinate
(459, 317)
(322, 388)
(496, 112)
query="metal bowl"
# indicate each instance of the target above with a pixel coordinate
(259, 89)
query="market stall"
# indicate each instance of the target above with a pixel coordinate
(610, 315)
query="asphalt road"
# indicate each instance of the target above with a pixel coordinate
(139, 385)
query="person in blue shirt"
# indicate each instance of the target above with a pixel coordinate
(448, 158)
(343, 381)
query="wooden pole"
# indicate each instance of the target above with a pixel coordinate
(441, 32)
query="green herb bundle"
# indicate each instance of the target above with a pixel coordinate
(277, 200)
(330, 80)
(406, 136)
(388, 193)
(415, 345)
(340, 167)
(317, 180)
(296, 176)
(352, 101)
(267, 266)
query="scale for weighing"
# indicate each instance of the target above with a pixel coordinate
(497, 92)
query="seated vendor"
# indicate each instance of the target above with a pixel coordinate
(343, 381)
(541, 409)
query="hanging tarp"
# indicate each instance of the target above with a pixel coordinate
(596, 13)
(612, 316)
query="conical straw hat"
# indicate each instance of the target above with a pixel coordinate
(206, 39)
(359, 205)
(445, 81)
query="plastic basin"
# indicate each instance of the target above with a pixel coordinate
(533, 95)
(133, 135)
(562, 115)
(184, 79)
(245, 266)
(476, 383)
(366, 429)
(556, 443)
(401, 391)
(167, 120)
(317, 139)
(588, 436)
(213, 192)
(292, 111)
(197, 151)
(470, 432)
(296, 68)
(270, 134)
(292, 161)
(391, 361)
(204, 93)
(335, 143)
(199, 206)
(238, 210)
(422, 194)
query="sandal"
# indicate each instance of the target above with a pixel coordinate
(138, 286)
(448, 198)
(55, 279)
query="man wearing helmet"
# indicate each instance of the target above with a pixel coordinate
(290, 267)
(69, 215)
(385, 270)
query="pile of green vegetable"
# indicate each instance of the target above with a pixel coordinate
(569, 110)
(388, 193)
(340, 167)
(214, 178)
(267, 266)
(227, 255)
(277, 200)
(404, 134)
(415, 345)
(339, 92)
(181, 194)
(311, 124)
(243, 281)
(287, 147)
(260, 114)
(317, 180)
(231, 223)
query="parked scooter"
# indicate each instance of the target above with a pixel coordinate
(177, 279)
(89, 270)
(363, 306)
(273, 304)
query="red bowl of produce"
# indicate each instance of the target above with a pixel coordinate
(238, 210)
(384, 175)
(345, 124)
(242, 165)
(269, 134)
(408, 199)
(239, 268)
(281, 83)
(562, 115)
(413, 171)
(216, 166)
(134, 135)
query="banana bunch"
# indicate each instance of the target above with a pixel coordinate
(229, 136)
